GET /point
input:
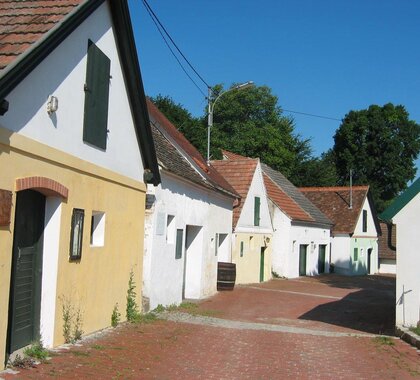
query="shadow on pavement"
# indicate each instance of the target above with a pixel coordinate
(371, 309)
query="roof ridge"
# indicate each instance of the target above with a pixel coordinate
(333, 188)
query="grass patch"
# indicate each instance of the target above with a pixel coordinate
(415, 330)
(145, 318)
(36, 351)
(384, 341)
(80, 353)
(98, 347)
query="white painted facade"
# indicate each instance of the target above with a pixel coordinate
(408, 280)
(63, 74)
(254, 238)
(201, 214)
(246, 219)
(387, 266)
(366, 243)
(287, 239)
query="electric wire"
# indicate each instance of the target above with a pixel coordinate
(175, 56)
(160, 27)
(312, 115)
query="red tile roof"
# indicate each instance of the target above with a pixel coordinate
(239, 173)
(284, 202)
(22, 23)
(169, 130)
(387, 241)
(334, 202)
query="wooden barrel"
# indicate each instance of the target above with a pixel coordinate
(226, 276)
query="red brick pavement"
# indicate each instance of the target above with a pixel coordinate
(169, 350)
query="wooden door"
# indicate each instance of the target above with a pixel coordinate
(302, 260)
(321, 259)
(25, 289)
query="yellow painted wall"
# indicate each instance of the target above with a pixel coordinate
(248, 266)
(100, 279)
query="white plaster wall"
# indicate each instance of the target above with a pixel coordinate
(282, 247)
(63, 75)
(340, 252)
(50, 269)
(194, 206)
(313, 237)
(387, 266)
(408, 259)
(371, 229)
(246, 219)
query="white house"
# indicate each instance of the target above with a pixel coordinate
(301, 237)
(188, 223)
(252, 229)
(75, 152)
(404, 213)
(354, 242)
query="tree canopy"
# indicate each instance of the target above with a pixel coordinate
(251, 123)
(379, 145)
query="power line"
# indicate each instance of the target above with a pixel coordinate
(311, 114)
(160, 27)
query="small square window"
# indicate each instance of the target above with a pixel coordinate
(97, 230)
(76, 238)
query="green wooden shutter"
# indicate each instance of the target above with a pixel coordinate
(364, 220)
(178, 247)
(355, 254)
(257, 203)
(242, 249)
(96, 97)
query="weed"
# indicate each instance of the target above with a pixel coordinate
(36, 351)
(132, 310)
(98, 347)
(384, 341)
(72, 321)
(115, 316)
(77, 329)
(160, 308)
(145, 318)
(275, 274)
(188, 306)
(23, 362)
(415, 330)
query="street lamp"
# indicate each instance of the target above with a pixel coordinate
(211, 105)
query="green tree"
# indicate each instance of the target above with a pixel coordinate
(380, 145)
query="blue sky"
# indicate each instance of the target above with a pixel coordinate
(324, 57)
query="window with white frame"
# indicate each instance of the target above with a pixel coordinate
(170, 229)
(97, 230)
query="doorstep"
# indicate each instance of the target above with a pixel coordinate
(408, 336)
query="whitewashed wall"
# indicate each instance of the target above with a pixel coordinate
(340, 252)
(193, 206)
(387, 266)
(312, 237)
(63, 75)
(246, 219)
(371, 229)
(408, 259)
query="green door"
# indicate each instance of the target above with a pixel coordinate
(321, 259)
(302, 260)
(262, 264)
(25, 287)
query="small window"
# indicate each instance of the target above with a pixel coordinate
(355, 254)
(95, 130)
(251, 242)
(364, 220)
(178, 248)
(241, 252)
(170, 229)
(76, 238)
(257, 206)
(97, 229)
(216, 244)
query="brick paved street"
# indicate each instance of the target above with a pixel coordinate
(311, 328)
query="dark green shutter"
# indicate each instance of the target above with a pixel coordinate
(242, 249)
(96, 97)
(364, 221)
(178, 247)
(355, 254)
(257, 203)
